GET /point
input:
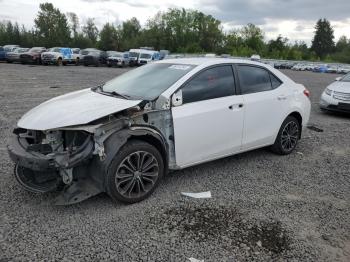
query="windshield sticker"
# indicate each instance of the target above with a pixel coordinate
(179, 67)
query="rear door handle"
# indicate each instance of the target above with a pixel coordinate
(282, 97)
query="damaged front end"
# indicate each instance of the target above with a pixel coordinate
(47, 161)
(75, 160)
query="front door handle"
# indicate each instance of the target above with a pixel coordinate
(233, 106)
(282, 97)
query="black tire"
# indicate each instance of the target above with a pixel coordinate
(26, 178)
(121, 177)
(288, 136)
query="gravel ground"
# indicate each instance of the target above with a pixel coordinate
(264, 207)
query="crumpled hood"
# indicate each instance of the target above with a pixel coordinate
(76, 108)
(340, 86)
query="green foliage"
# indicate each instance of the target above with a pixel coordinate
(90, 31)
(178, 30)
(52, 26)
(323, 42)
(109, 38)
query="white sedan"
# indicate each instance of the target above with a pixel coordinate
(123, 136)
(336, 97)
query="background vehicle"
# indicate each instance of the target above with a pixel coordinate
(125, 135)
(2, 54)
(6, 49)
(32, 56)
(147, 56)
(163, 53)
(94, 57)
(10, 48)
(336, 97)
(58, 56)
(134, 56)
(117, 58)
(14, 56)
(77, 55)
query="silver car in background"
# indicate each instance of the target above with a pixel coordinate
(115, 58)
(336, 97)
(14, 55)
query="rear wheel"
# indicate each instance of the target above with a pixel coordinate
(288, 136)
(134, 172)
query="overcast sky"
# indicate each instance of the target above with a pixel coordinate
(294, 19)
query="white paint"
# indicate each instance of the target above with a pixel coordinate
(76, 108)
(207, 129)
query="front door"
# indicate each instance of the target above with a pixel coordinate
(209, 123)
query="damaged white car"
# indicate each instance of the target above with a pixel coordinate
(123, 136)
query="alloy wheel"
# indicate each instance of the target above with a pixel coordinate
(289, 137)
(137, 174)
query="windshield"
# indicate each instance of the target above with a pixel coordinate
(114, 54)
(147, 82)
(133, 54)
(146, 56)
(345, 78)
(87, 51)
(55, 49)
(35, 50)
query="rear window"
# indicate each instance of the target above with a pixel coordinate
(254, 79)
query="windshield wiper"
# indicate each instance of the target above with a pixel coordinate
(114, 93)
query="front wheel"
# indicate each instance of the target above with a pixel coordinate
(134, 172)
(288, 136)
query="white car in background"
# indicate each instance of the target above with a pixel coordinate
(336, 97)
(147, 56)
(123, 136)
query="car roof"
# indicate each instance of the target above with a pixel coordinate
(205, 61)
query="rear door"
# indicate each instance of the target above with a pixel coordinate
(209, 123)
(265, 102)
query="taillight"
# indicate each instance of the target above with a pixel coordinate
(307, 92)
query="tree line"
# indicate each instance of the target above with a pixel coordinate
(177, 30)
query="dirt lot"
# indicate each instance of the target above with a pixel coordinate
(264, 206)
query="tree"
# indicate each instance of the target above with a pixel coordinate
(323, 41)
(90, 30)
(342, 43)
(130, 33)
(73, 22)
(52, 26)
(253, 37)
(109, 38)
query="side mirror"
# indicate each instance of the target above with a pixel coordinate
(338, 78)
(176, 99)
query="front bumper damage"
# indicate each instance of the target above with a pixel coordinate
(78, 157)
(77, 163)
(68, 166)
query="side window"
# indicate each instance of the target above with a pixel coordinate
(254, 79)
(212, 83)
(275, 82)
